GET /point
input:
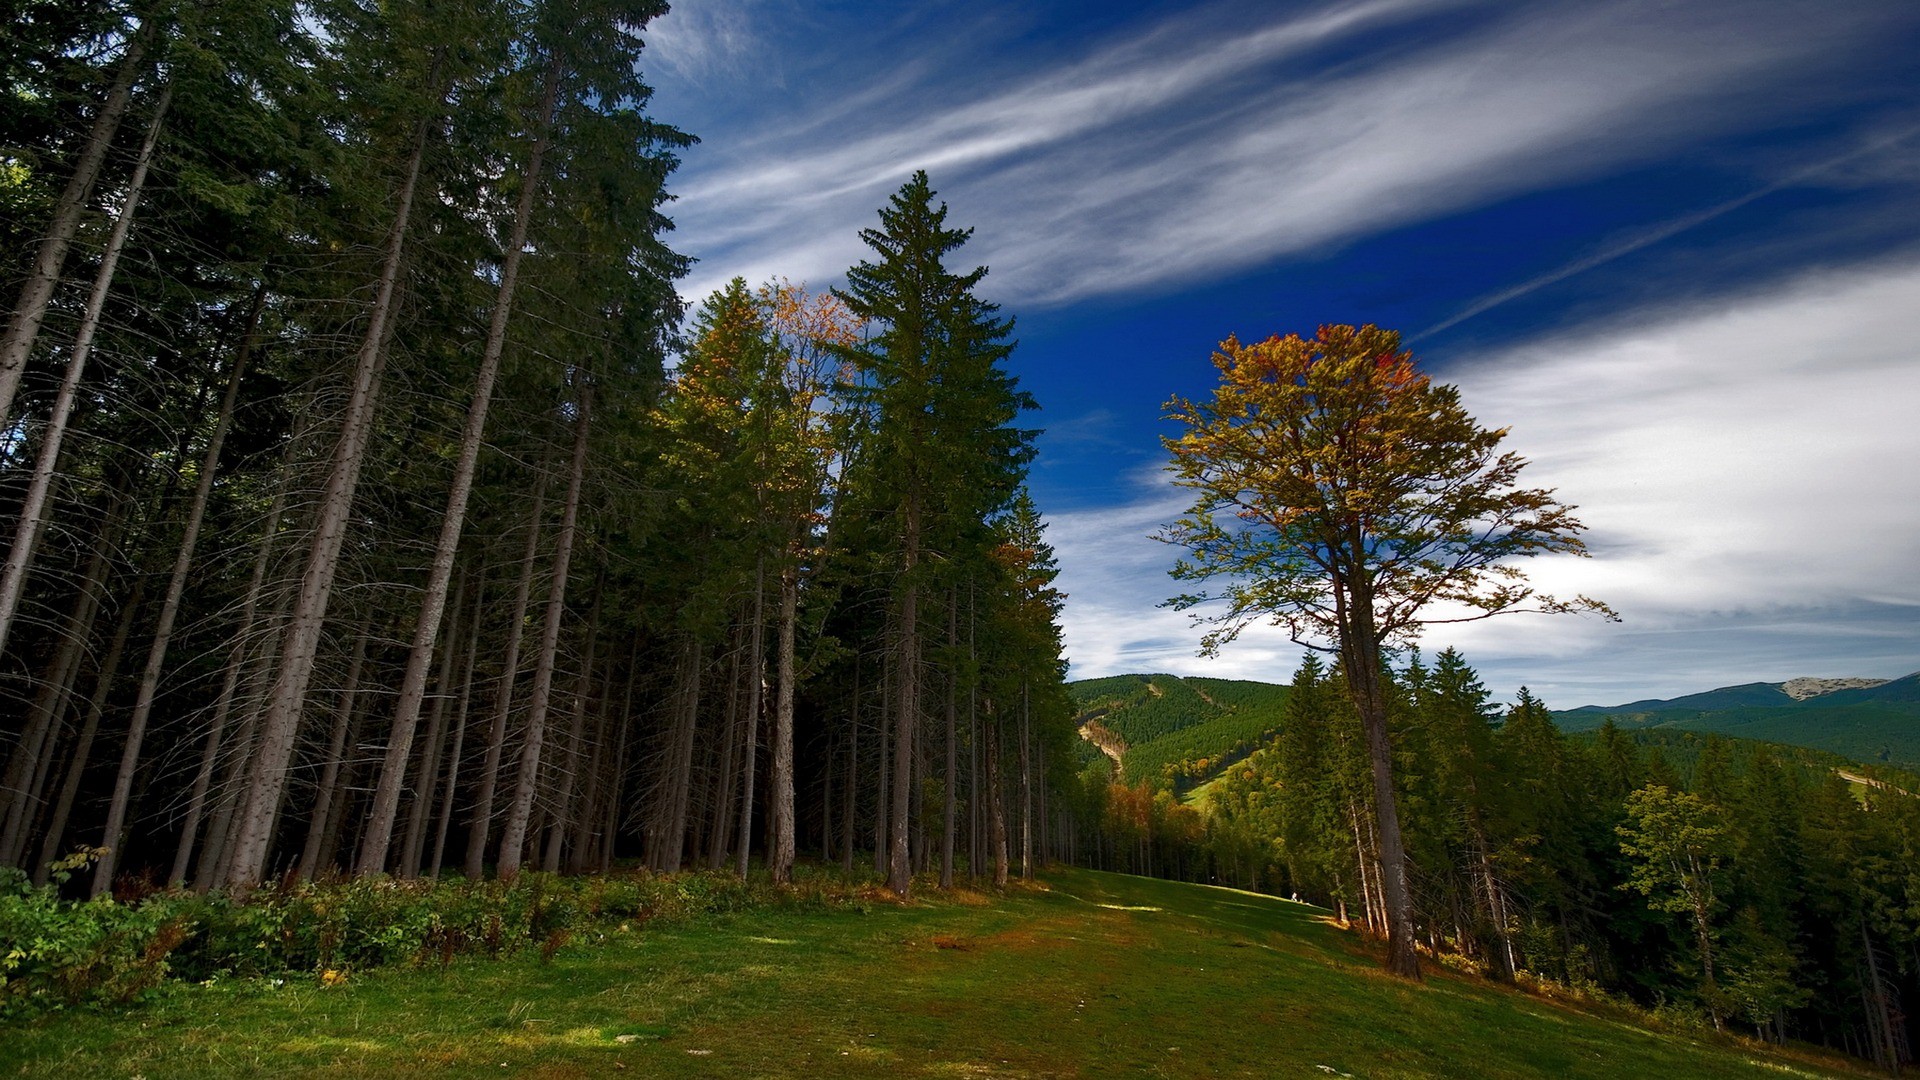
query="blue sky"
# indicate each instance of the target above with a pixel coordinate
(1675, 247)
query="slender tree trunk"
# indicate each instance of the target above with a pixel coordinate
(883, 801)
(281, 722)
(750, 748)
(83, 748)
(580, 853)
(917, 846)
(1026, 781)
(780, 845)
(230, 683)
(477, 837)
(30, 310)
(1361, 865)
(49, 704)
(429, 785)
(386, 796)
(520, 813)
(567, 769)
(851, 786)
(345, 800)
(950, 792)
(996, 801)
(1502, 951)
(1883, 1015)
(616, 781)
(827, 794)
(325, 794)
(729, 778)
(907, 711)
(32, 511)
(112, 834)
(669, 838)
(461, 715)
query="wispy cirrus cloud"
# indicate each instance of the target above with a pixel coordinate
(1207, 144)
(1746, 470)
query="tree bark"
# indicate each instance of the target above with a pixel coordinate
(520, 813)
(112, 834)
(567, 770)
(386, 797)
(30, 310)
(230, 682)
(1361, 657)
(461, 715)
(669, 834)
(907, 710)
(780, 844)
(83, 747)
(996, 800)
(281, 722)
(729, 776)
(324, 811)
(32, 510)
(477, 836)
(750, 746)
(1026, 781)
(429, 785)
(950, 794)
(49, 704)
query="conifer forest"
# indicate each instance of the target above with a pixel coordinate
(374, 507)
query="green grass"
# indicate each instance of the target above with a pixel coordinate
(1097, 975)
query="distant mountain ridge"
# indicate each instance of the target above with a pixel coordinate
(1870, 720)
(1786, 694)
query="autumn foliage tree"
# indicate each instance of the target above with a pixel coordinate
(1342, 494)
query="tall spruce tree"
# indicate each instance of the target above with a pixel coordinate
(943, 448)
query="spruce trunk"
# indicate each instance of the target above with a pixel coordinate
(482, 825)
(32, 510)
(393, 770)
(267, 778)
(112, 832)
(780, 809)
(519, 815)
(23, 328)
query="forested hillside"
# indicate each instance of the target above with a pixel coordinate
(1179, 731)
(372, 505)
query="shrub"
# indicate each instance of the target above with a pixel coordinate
(56, 953)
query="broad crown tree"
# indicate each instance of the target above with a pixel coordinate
(1342, 494)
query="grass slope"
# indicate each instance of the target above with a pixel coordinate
(1096, 975)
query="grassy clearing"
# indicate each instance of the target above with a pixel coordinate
(1096, 975)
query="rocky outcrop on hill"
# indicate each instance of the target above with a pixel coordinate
(1105, 739)
(1804, 688)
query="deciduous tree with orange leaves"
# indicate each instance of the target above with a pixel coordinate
(1341, 493)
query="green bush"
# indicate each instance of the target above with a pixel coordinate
(56, 953)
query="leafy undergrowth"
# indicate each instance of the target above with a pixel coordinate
(1092, 975)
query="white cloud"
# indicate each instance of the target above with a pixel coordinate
(1200, 148)
(1747, 472)
(703, 40)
